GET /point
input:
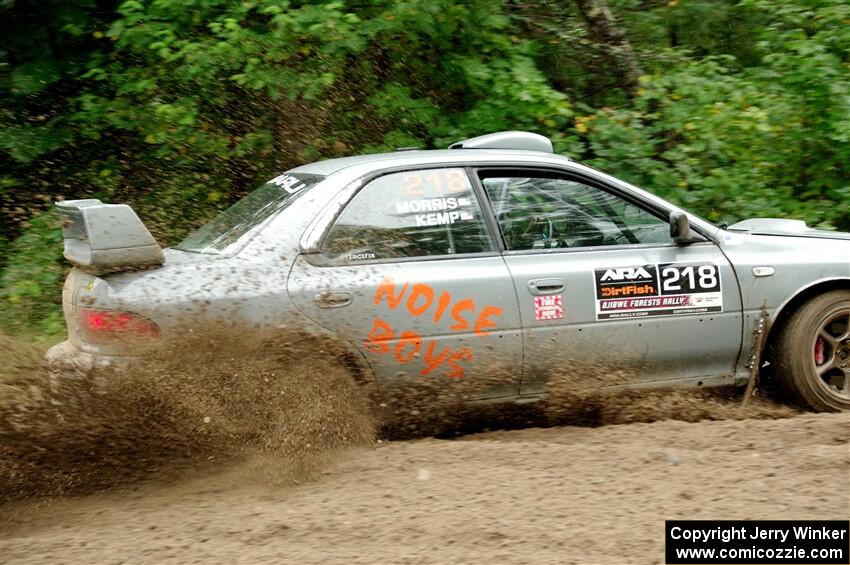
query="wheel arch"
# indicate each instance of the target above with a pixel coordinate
(316, 338)
(803, 295)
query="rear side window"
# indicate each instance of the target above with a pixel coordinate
(422, 213)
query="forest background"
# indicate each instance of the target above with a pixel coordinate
(731, 108)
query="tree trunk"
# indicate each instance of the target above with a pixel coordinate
(603, 28)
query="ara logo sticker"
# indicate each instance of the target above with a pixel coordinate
(628, 273)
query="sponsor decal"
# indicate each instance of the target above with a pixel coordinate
(623, 282)
(619, 274)
(431, 205)
(665, 289)
(288, 183)
(436, 197)
(441, 219)
(444, 211)
(435, 181)
(422, 300)
(360, 256)
(548, 307)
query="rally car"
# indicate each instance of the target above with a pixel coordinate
(494, 261)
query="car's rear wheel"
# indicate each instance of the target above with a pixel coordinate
(812, 353)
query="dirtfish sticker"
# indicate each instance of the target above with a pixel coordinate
(663, 289)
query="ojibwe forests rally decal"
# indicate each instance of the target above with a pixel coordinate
(421, 300)
(663, 289)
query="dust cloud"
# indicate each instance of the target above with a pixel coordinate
(287, 404)
(595, 395)
(270, 447)
(215, 397)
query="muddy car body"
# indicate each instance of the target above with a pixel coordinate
(495, 260)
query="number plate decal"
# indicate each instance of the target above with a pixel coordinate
(665, 289)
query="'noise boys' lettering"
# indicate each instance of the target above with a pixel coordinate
(421, 300)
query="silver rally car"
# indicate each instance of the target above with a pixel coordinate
(494, 261)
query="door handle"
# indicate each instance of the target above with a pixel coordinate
(332, 299)
(546, 286)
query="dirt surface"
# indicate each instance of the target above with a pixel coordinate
(224, 450)
(557, 495)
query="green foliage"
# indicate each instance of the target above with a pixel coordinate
(180, 108)
(733, 141)
(31, 281)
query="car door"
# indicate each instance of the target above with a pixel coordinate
(606, 297)
(411, 275)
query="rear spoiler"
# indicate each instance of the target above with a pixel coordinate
(104, 238)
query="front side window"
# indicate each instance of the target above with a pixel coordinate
(536, 212)
(409, 214)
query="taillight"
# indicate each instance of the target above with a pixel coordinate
(100, 326)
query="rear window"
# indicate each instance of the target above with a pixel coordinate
(226, 229)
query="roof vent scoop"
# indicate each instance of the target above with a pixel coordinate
(517, 140)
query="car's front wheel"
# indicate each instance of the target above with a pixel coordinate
(812, 353)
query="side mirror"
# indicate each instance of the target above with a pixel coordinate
(680, 228)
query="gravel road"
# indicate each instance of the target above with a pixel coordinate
(555, 495)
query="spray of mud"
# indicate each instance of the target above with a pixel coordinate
(576, 394)
(595, 395)
(287, 404)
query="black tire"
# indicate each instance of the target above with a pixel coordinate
(812, 353)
